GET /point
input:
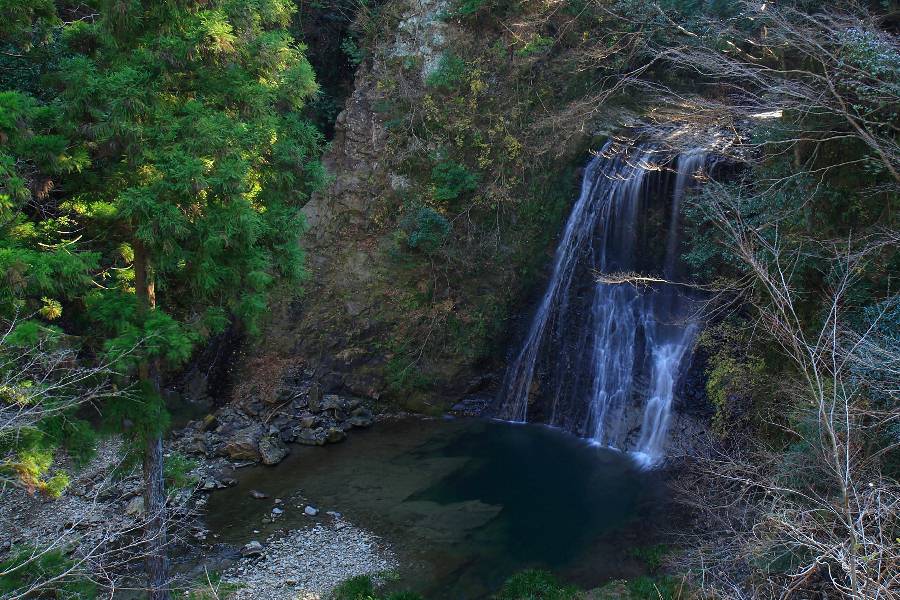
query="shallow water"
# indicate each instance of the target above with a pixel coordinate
(464, 503)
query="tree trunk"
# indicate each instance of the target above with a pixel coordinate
(156, 560)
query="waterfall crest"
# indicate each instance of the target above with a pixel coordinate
(603, 360)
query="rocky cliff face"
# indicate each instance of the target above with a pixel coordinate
(341, 327)
(467, 131)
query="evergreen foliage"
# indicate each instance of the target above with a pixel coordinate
(450, 72)
(176, 129)
(149, 199)
(30, 568)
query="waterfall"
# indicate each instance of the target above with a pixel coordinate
(603, 360)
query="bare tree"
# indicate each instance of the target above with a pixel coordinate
(43, 377)
(831, 76)
(829, 519)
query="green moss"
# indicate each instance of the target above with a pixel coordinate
(539, 44)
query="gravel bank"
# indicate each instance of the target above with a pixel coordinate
(307, 564)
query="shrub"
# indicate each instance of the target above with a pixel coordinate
(360, 587)
(451, 70)
(539, 44)
(354, 53)
(452, 180)
(663, 588)
(426, 229)
(466, 8)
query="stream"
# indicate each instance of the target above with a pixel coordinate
(464, 503)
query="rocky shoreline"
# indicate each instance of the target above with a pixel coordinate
(255, 430)
(98, 520)
(307, 563)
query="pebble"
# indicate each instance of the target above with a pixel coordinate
(308, 563)
(311, 510)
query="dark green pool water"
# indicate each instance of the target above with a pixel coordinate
(465, 503)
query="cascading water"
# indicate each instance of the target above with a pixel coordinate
(598, 355)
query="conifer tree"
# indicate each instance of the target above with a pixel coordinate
(193, 163)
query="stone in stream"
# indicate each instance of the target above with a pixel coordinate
(258, 495)
(311, 510)
(334, 435)
(286, 434)
(244, 443)
(272, 450)
(361, 417)
(311, 437)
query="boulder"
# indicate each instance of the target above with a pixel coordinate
(309, 422)
(361, 417)
(244, 443)
(252, 549)
(315, 402)
(135, 506)
(310, 511)
(286, 434)
(314, 396)
(208, 423)
(334, 435)
(332, 402)
(310, 437)
(272, 450)
(198, 446)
